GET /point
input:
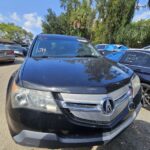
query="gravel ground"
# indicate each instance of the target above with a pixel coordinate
(136, 137)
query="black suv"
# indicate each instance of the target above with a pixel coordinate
(66, 94)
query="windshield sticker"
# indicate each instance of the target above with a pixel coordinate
(41, 50)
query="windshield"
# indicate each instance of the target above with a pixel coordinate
(2, 47)
(13, 47)
(10, 47)
(100, 46)
(63, 48)
(5, 47)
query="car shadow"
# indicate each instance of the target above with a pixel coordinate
(18, 60)
(135, 137)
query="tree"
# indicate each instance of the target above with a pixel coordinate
(82, 19)
(76, 20)
(69, 5)
(15, 33)
(114, 15)
(50, 24)
(55, 24)
(101, 21)
(136, 34)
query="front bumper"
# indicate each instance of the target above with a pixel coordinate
(52, 140)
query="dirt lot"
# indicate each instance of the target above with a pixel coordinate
(136, 137)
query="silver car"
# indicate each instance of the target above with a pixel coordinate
(6, 54)
(147, 47)
(18, 50)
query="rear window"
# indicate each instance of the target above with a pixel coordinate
(136, 58)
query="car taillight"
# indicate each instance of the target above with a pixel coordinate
(10, 52)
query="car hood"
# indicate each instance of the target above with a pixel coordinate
(74, 73)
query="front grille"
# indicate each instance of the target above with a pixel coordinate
(87, 107)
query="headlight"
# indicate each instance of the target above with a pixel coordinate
(33, 99)
(135, 83)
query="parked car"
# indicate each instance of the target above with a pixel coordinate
(116, 56)
(147, 47)
(111, 48)
(6, 54)
(66, 94)
(18, 50)
(100, 48)
(115, 47)
(139, 61)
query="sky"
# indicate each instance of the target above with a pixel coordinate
(30, 13)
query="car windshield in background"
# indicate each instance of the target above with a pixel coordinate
(3, 47)
(17, 48)
(10, 47)
(136, 58)
(100, 46)
(48, 47)
(147, 47)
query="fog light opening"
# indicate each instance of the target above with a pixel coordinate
(131, 106)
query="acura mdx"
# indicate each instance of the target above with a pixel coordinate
(65, 94)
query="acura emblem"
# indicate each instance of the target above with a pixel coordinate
(108, 106)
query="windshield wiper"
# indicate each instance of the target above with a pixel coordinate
(87, 56)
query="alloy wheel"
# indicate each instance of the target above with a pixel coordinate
(146, 95)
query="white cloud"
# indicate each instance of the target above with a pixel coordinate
(32, 21)
(1, 18)
(15, 17)
(29, 21)
(145, 15)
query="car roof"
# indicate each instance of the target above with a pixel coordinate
(139, 50)
(60, 36)
(101, 44)
(146, 47)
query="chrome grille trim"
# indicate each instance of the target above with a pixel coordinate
(78, 107)
(89, 106)
(94, 98)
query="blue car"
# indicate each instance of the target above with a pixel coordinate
(115, 52)
(115, 47)
(109, 50)
(116, 56)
